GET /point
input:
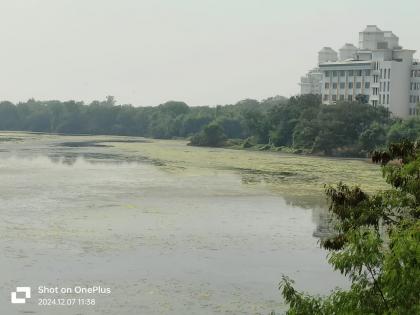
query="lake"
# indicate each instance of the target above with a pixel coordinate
(170, 229)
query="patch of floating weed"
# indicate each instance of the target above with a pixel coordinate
(287, 174)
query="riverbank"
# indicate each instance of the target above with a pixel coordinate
(248, 144)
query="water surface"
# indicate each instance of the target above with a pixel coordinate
(168, 235)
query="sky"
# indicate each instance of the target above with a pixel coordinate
(203, 52)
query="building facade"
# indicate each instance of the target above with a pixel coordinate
(378, 72)
(311, 83)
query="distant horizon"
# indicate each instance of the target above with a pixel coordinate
(117, 102)
(205, 53)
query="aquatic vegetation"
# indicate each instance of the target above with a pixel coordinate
(298, 178)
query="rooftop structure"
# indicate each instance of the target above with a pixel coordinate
(379, 72)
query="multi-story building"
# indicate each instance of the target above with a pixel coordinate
(415, 89)
(378, 72)
(311, 83)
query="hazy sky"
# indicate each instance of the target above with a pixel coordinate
(204, 52)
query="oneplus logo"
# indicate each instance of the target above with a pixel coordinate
(20, 300)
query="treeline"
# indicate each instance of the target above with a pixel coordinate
(168, 120)
(300, 123)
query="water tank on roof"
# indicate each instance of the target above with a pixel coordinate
(392, 40)
(327, 54)
(370, 37)
(348, 51)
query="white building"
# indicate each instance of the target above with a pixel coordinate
(311, 83)
(378, 71)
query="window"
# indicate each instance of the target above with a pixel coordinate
(367, 72)
(358, 85)
(359, 73)
(367, 85)
(342, 85)
(383, 99)
(342, 73)
(350, 98)
(350, 85)
(350, 73)
(387, 98)
(334, 85)
(334, 73)
(325, 97)
(388, 86)
(327, 74)
(389, 73)
(327, 85)
(341, 97)
(334, 98)
(381, 74)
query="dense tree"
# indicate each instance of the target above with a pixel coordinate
(258, 125)
(408, 129)
(302, 122)
(194, 123)
(372, 137)
(211, 136)
(9, 118)
(376, 244)
(285, 118)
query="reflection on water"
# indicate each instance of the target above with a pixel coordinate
(198, 241)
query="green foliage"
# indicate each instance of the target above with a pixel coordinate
(341, 125)
(301, 123)
(373, 137)
(408, 129)
(211, 136)
(257, 124)
(376, 244)
(285, 118)
(362, 99)
(9, 116)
